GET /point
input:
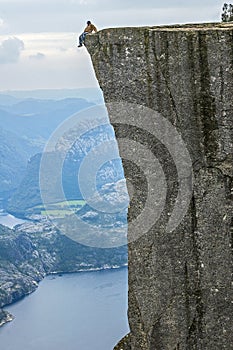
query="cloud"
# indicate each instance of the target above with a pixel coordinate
(27, 16)
(54, 33)
(47, 44)
(100, 5)
(37, 56)
(67, 68)
(10, 50)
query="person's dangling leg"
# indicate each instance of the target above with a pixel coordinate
(83, 37)
(80, 41)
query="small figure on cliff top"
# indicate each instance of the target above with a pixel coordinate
(88, 30)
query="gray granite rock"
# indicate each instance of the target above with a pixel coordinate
(180, 291)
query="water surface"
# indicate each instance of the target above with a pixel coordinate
(82, 311)
(9, 220)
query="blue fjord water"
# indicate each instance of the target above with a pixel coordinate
(80, 311)
(9, 220)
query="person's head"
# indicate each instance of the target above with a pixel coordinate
(88, 23)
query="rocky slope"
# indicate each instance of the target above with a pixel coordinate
(25, 125)
(33, 250)
(180, 291)
(27, 195)
(14, 154)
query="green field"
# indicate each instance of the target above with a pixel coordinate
(59, 209)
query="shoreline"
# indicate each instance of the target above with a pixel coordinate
(83, 267)
(93, 269)
(9, 317)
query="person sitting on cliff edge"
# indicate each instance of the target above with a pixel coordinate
(88, 30)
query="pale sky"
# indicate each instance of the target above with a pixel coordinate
(38, 37)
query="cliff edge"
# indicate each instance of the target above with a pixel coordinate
(169, 93)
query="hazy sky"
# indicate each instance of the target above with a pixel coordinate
(38, 37)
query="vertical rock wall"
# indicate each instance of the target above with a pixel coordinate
(180, 289)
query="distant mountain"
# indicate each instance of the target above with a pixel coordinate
(37, 119)
(14, 155)
(25, 125)
(91, 94)
(6, 100)
(28, 192)
(28, 195)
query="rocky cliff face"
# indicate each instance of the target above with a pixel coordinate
(180, 292)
